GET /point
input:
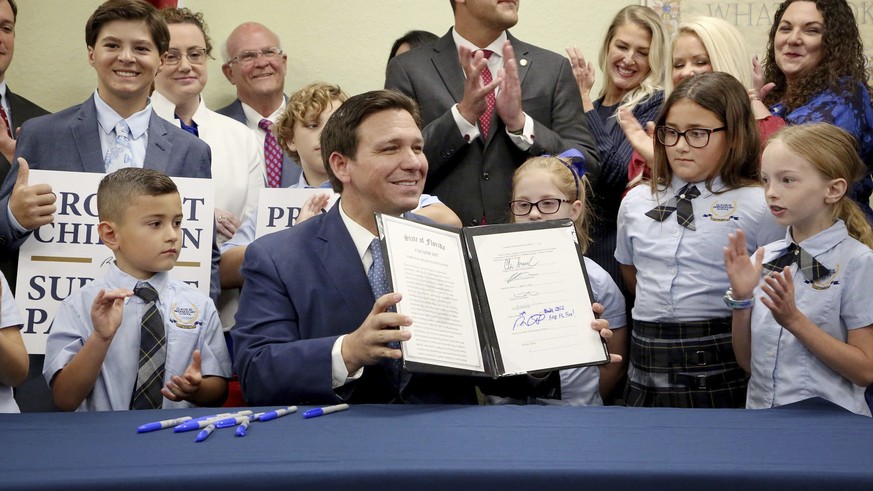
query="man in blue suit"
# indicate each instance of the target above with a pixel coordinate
(255, 64)
(309, 329)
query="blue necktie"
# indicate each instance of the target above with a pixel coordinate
(376, 273)
(379, 283)
(120, 155)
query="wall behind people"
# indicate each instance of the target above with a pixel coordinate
(339, 41)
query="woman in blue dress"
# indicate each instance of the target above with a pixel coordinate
(816, 67)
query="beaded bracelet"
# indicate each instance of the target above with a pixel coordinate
(735, 304)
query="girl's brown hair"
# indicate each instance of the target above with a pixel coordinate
(724, 96)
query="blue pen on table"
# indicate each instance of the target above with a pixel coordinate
(321, 411)
(278, 413)
(228, 422)
(203, 423)
(212, 416)
(204, 433)
(224, 415)
(243, 426)
(195, 425)
(160, 425)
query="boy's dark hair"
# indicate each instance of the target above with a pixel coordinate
(340, 133)
(113, 10)
(185, 16)
(414, 39)
(120, 189)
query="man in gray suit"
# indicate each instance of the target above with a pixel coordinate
(32, 394)
(255, 64)
(534, 110)
(17, 108)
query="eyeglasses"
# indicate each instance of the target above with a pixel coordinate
(196, 56)
(248, 57)
(696, 137)
(548, 206)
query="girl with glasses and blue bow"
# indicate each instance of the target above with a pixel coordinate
(811, 335)
(671, 234)
(553, 187)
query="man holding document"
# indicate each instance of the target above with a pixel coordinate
(308, 329)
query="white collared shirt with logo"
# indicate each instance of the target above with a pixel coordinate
(783, 369)
(190, 322)
(680, 272)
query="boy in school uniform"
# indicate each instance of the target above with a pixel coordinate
(137, 339)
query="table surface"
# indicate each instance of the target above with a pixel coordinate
(809, 445)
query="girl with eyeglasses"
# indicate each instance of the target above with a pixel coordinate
(671, 235)
(553, 187)
(237, 157)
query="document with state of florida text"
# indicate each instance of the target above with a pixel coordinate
(493, 300)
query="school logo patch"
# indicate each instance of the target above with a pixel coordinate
(721, 211)
(825, 283)
(186, 316)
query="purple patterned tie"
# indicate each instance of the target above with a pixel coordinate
(6, 122)
(272, 155)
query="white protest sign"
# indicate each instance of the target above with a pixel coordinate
(278, 208)
(59, 258)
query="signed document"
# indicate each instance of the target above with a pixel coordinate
(494, 300)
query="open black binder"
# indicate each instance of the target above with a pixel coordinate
(493, 300)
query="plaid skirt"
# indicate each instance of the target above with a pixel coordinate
(686, 364)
